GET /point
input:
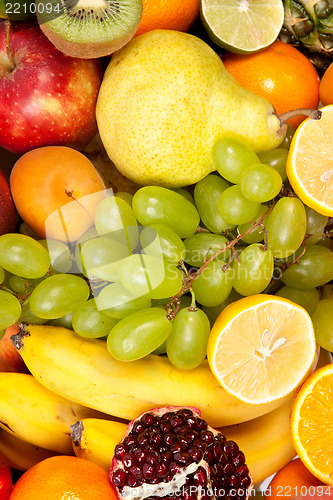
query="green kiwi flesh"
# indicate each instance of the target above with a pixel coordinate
(89, 28)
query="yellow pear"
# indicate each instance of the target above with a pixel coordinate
(165, 99)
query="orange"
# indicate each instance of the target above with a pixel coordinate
(281, 74)
(56, 190)
(261, 348)
(293, 479)
(312, 423)
(309, 162)
(64, 478)
(326, 86)
(168, 14)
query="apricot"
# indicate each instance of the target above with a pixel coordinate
(56, 190)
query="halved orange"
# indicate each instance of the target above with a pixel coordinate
(312, 423)
(261, 348)
(310, 162)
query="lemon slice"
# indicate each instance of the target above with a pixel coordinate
(312, 423)
(310, 162)
(261, 348)
(242, 26)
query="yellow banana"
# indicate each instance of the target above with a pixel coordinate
(82, 370)
(95, 439)
(36, 415)
(20, 454)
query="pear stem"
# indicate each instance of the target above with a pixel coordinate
(315, 114)
(8, 48)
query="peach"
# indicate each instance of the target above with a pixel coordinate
(10, 359)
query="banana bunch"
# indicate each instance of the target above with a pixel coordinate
(34, 414)
(266, 441)
(20, 454)
(82, 370)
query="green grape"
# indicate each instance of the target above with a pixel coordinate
(146, 274)
(117, 302)
(90, 322)
(322, 323)
(213, 285)
(314, 268)
(18, 284)
(2, 275)
(315, 225)
(187, 342)
(185, 301)
(307, 298)
(253, 270)
(102, 256)
(23, 256)
(125, 196)
(214, 312)
(115, 219)
(285, 227)
(230, 157)
(327, 291)
(63, 321)
(27, 316)
(277, 159)
(10, 309)
(58, 295)
(257, 234)
(2, 334)
(288, 137)
(160, 240)
(60, 255)
(207, 193)
(260, 182)
(160, 349)
(235, 208)
(139, 334)
(185, 193)
(159, 205)
(86, 236)
(201, 246)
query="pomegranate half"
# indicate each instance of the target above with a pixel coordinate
(173, 452)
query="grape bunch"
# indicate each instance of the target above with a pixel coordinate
(154, 271)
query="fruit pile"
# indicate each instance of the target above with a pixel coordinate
(166, 259)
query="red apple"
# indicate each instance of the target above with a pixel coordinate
(8, 214)
(47, 98)
(6, 481)
(10, 359)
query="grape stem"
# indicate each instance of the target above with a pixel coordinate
(170, 308)
(314, 114)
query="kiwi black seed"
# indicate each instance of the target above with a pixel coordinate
(89, 28)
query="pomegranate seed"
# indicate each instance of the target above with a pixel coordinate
(137, 428)
(174, 467)
(201, 425)
(140, 455)
(229, 469)
(217, 469)
(191, 422)
(161, 471)
(130, 441)
(191, 435)
(166, 457)
(165, 426)
(195, 454)
(175, 447)
(131, 481)
(223, 458)
(136, 472)
(169, 415)
(148, 471)
(185, 441)
(209, 456)
(246, 481)
(199, 477)
(120, 451)
(169, 439)
(225, 481)
(182, 458)
(147, 419)
(200, 444)
(156, 438)
(186, 412)
(217, 450)
(119, 478)
(231, 449)
(235, 481)
(207, 437)
(152, 459)
(238, 459)
(176, 420)
(128, 460)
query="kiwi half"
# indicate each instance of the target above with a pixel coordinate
(89, 28)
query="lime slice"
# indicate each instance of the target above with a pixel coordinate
(242, 26)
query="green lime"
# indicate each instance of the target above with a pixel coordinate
(242, 26)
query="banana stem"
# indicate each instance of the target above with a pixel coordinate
(314, 114)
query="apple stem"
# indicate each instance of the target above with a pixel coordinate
(315, 114)
(8, 48)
